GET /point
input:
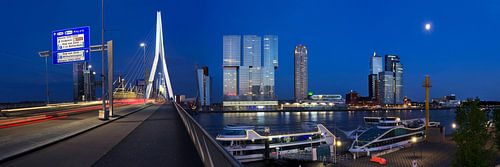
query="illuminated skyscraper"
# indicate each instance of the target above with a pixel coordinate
(373, 79)
(386, 87)
(250, 73)
(300, 72)
(231, 62)
(249, 77)
(392, 84)
(376, 64)
(270, 55)
(255, 75)
(203, 86)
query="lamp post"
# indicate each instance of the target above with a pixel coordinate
(143, 45)
(46, 79)
(278, 152)
(88, 86)
(337, 143)
(310, 138)
(103, 71)
(414, 141)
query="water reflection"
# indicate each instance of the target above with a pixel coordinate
(292, 121)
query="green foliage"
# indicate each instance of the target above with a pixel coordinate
(496, 121)
(472, 136)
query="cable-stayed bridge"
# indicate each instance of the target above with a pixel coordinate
(140, 131)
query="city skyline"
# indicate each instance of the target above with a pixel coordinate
(339, 35)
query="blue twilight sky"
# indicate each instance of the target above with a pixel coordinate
(461, 53)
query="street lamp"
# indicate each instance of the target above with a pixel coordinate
(46, 77)
(143, 45)
(453, 125)
(90, 66)
(337, 143)
(414, 141)
(310, 138)
(278, 152)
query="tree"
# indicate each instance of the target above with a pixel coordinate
(472, 136)
(496, 122)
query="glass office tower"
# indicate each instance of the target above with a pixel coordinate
(250, 71)
(231, 63)
(249, 83)
(270, 56)
(300, 73)
(373, 79)
(387, 87)
(394, 66)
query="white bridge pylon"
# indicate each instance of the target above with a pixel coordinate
(159, 53)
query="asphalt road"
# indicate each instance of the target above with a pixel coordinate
(14, 140)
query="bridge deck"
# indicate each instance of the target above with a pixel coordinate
(154, 136)
(161, 140)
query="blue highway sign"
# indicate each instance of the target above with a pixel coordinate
(71, 45)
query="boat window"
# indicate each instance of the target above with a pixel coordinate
(233, 132)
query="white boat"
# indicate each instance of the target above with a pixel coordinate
(247, 145)
(390, 132)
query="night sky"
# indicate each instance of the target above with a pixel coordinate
(461, 53)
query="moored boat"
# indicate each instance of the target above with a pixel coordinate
(247, 144)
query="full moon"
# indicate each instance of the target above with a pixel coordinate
(428, 26)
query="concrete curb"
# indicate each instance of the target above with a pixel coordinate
(56, 140)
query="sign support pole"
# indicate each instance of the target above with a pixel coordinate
(110, 76)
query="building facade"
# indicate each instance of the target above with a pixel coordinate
(204, 87)
(231, 62)
(373, 79)
(249, 71)
(391, 81)
(83, 82)
(270, 47)
(300, 73)
(387, 87)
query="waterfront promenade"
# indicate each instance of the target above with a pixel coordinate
(426, 154)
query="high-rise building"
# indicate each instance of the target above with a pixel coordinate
(249, 77)
(83, 82)
(300, 73)
(203, 87)
(373, 87)
(251, 69)
(231, 63)
(270, 55)
(373, 79)
(391, 87)
(375, 64)
(391, 61)
(387, 87)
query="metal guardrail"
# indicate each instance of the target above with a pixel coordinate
(211, 153)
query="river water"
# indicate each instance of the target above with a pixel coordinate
(333, 120)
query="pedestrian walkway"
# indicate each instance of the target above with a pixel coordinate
(161, 140)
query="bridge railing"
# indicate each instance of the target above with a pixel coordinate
(211, 153)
